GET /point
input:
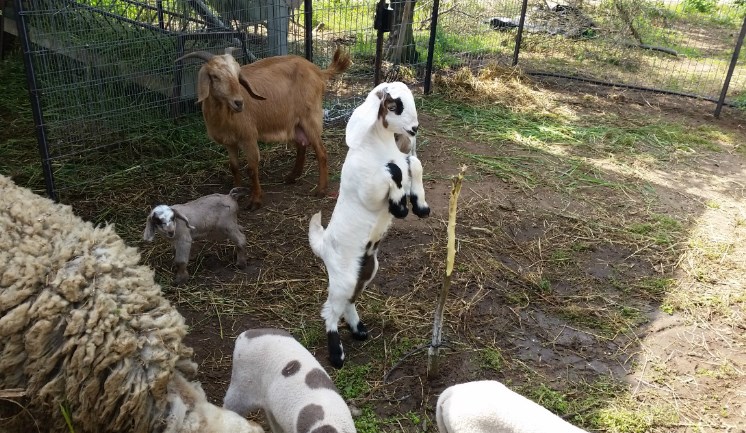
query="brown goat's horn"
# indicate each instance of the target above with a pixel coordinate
(204, 55)
(231, 50)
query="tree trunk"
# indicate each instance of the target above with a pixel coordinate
(401, 47)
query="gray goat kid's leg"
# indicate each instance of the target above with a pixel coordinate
(239, 239)
(182, 248)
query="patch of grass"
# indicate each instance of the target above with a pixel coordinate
(661, 229)
(352, 381)
(368, 421)
(492, 359)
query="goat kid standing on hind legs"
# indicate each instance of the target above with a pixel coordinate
(376, 180)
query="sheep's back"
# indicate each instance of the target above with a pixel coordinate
(81, 323)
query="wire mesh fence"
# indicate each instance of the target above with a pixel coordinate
(675, 46)
(114, 106)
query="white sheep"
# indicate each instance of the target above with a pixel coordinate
(277, 99)
(376, 181)
(83, 326)
(488, 406)
(274, 372)
(213, 217)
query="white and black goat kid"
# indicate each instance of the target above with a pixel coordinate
(213, 216)
(376, 180)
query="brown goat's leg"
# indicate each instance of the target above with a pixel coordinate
(234, 164)
(300, 161)
(320, 150)
(301, 145)
(251, 150)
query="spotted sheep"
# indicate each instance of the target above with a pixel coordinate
(377, 179)
(488, 406)
(272, 371)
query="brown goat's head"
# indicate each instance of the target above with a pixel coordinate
(221, 78)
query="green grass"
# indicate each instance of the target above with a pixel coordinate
(352, 381)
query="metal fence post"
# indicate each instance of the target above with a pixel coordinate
(41, 136)
(308, 18)
(519, 35)
(382, 23)
(731, 68)
(431, 47)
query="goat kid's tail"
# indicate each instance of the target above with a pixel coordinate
(340, 62)
(316, 235)
(239, 192)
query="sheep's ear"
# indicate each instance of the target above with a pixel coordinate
(203, 84)
(245, 83)
(149, 233)
(179, 215)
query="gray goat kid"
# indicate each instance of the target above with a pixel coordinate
(213, 216)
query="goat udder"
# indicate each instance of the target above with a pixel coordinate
(300, 136)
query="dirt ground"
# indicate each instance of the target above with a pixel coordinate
(513, 293)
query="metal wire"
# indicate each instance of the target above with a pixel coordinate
(106, 77)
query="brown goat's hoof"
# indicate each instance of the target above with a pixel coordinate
(290, 179)
(254, 205)
(321, 193)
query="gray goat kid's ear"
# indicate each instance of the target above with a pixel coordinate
(149, 232)
(178, 215)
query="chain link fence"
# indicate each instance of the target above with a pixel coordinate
(112, 106)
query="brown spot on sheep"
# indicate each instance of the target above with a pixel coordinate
(291, 368)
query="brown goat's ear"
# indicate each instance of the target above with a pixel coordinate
(203, 84)
(149, 233)
(180, 216)
(382, 109)
(245, 83)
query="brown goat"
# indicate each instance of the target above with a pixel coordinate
(282, 103)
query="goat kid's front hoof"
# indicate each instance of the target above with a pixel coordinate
(290, 179)
(321, 193)
(242, 264)
(336, 352)
(181, 279)
(399, 209)
(361, 333)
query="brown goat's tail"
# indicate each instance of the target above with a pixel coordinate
(239, 192)
(340, 62)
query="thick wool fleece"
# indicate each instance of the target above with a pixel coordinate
(81, 323)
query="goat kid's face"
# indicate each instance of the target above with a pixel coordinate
(397, 111)
(221, 78)
(161, 219)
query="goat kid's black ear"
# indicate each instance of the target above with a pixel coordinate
(178, 215)
(245, 83)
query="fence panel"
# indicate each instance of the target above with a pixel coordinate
(116, 107)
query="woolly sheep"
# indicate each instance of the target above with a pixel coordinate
(488, 406)
(213, 216)
(274, 372)
(84, 326)
(277, 99)
(376, 180)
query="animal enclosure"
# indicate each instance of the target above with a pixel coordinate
(108, 94)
